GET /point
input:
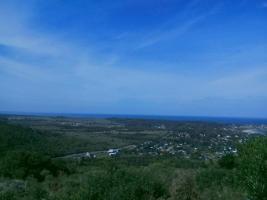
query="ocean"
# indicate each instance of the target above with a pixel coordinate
(234, 120)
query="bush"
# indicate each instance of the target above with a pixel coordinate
(21, 164)
(118, 184)
(228, 161)
(252, 167)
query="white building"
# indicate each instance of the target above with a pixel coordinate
(113, 152)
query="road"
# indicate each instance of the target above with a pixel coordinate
(83, 154)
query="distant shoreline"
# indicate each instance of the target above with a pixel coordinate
(237, 120)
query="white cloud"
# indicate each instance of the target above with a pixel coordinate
(250, 83)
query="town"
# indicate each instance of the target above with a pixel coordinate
(196, 140)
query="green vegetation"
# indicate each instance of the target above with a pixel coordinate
(252, 166)
(29, 170)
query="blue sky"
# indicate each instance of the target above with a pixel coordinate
(163, 57)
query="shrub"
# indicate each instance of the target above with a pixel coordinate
(252, 167)
(21, 164)
(227, 161)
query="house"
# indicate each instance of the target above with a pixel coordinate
(90, 155)
(113, 152)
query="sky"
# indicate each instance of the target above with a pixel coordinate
(152, 57)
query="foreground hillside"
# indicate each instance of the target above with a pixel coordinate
(29, 170)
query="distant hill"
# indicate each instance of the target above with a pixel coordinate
(15, 137)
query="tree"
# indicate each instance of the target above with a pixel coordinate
(252, 167)
(227, 161)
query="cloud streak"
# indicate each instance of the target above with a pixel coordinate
(180, 29)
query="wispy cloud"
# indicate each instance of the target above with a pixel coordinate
(264, 4)
(178, 29)
(246, 84)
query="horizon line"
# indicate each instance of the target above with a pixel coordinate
(64, 114)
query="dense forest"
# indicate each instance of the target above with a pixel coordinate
(31, 170)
